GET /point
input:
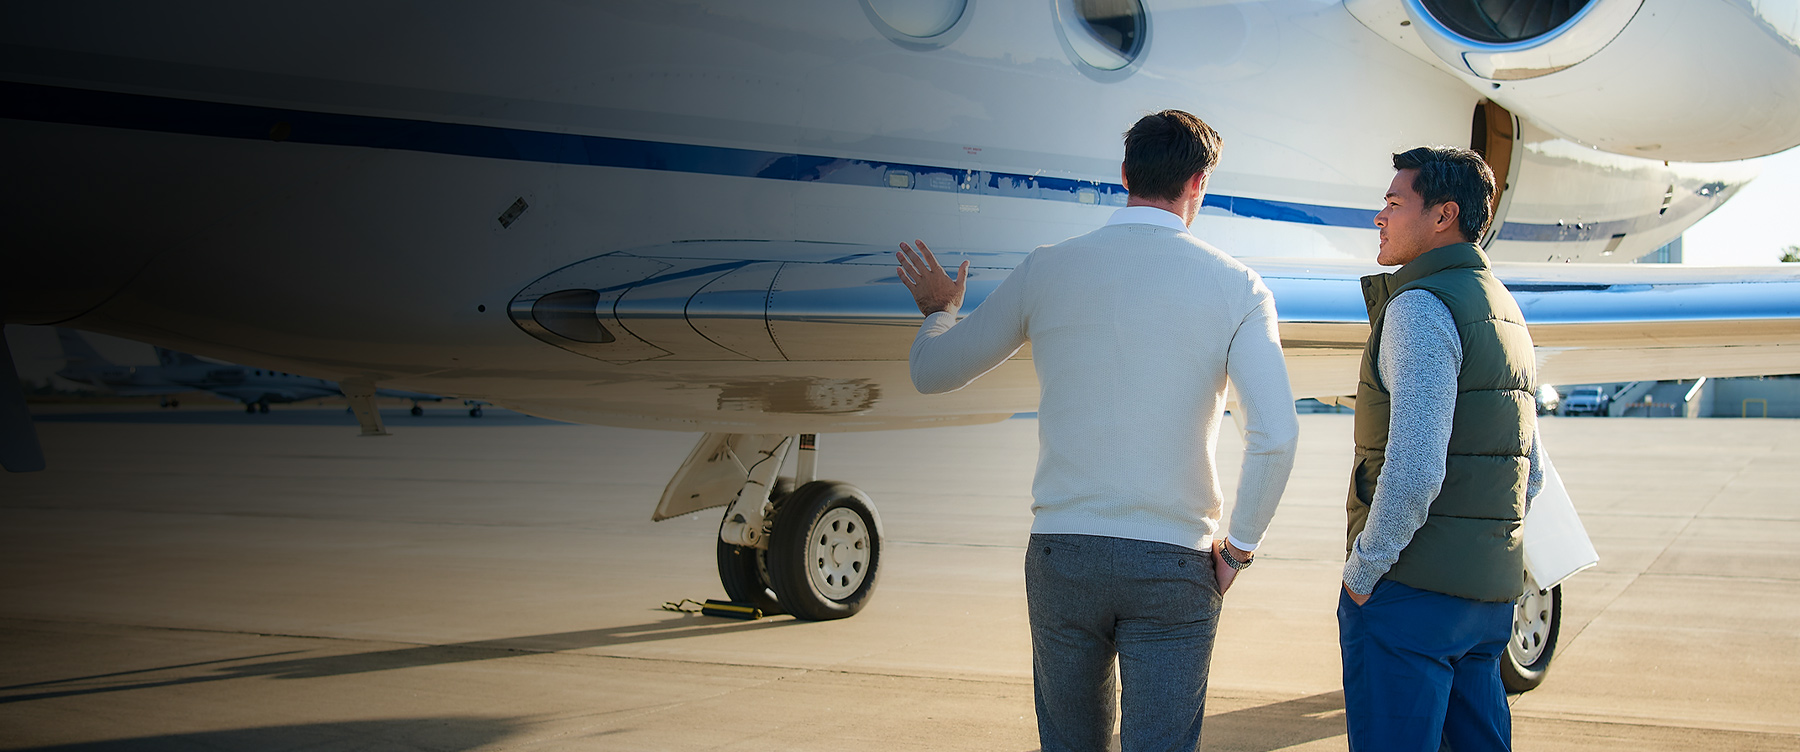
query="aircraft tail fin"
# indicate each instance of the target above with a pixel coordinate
(77, 351)
(173, 358)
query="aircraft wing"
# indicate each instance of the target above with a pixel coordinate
(797, 337)
(1591, 323)
(255, 393)
(409, 395)
(149, 391)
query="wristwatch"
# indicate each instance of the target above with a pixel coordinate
(1232, 561)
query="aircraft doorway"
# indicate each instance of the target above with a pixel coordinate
(1494, 134)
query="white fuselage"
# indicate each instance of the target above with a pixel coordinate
(319, 190)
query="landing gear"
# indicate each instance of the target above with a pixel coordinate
(475, 412)
(744, 570)
(812, 551)
(822, 559)
(250, 408)
(825, 551)
(262, 407)
(1537, 618)
(417, 411)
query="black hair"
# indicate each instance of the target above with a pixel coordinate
(1447, 174)
(1165, 149)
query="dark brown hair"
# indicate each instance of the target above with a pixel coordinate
(1165, 149)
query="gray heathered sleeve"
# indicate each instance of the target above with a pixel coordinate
(1534, 479)
(1419, 360)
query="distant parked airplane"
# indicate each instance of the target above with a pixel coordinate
(179, 372)
(83, 364)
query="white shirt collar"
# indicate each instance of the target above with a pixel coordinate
(1147, 215)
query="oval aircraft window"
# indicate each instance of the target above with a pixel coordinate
(1105, 35)
(918, 24)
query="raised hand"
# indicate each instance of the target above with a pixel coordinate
(931, 287)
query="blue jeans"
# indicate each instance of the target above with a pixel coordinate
(1423, 668)
(1152, 606)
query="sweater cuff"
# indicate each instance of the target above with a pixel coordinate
(1242, 546)
(1360, 575)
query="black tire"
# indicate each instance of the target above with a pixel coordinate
(417, 411)
(744, 571)
(745, 574)
(262, 407)
(474, 412)
(825, 551)
(1537, 620)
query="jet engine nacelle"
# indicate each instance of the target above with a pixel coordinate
(1676, 80)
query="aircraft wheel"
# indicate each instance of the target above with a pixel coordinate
(744, 571)
(262, 407)
(1537, 618)
(250, 407)
(825, 552)
(418, 411)
(475, 412)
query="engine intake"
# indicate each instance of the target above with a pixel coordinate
(1512, 40)
(1674, 80)
(1504, 21)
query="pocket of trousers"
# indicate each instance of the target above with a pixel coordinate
(1187, 579)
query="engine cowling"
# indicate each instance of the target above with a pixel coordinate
(1677, 80)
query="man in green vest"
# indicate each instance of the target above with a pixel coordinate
(1446, 460)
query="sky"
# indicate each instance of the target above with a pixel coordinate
(1755, 225)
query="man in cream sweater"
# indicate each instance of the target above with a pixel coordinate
(1135, 330)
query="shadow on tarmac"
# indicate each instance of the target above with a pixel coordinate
(393, 735)
(403, 658)
(1275, 726)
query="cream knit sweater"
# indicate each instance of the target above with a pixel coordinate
(1134, 329)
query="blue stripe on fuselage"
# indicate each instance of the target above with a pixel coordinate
(171, 115)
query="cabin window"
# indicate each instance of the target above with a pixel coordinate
(918, 24)
(1103, 35)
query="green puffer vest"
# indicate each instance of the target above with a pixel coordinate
(1472, 544)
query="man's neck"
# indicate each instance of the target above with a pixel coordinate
(1183, 209)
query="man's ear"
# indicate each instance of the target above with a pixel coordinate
(1448, 213)
(1122, 180)
(1198, 182)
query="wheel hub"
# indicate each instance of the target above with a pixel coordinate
(838, 553)
(1531, 627)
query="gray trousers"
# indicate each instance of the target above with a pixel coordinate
(1152, 606)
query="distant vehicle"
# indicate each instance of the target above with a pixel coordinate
(1548, 400)
(1586, 400)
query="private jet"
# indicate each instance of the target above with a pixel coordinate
(681, 215)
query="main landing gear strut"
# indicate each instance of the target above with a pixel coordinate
(807, 547)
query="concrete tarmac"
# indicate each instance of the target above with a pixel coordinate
(178, 583)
